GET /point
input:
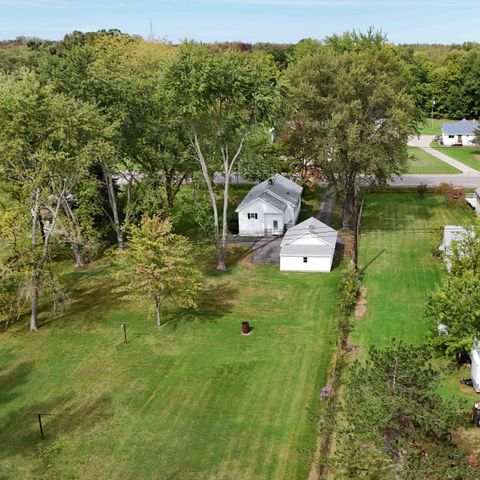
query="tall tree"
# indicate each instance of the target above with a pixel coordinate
(223, 97)
(355, 109)
(117, 72)
(157, 265)
(47, 142)
(394, 424)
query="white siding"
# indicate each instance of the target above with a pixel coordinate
(256, 227)
(466, 140)
(314, 264)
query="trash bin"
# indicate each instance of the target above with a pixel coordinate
(245, 328)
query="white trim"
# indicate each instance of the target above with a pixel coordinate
(262, 200)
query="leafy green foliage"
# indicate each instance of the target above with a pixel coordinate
(157, 265)
(349, 290)
(355, 110)
(395, 425)
(456, 302)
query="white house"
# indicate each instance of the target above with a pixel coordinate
(270, 207)
(458, 133)
(308, 247)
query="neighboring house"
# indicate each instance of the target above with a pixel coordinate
(458, 133)
(308, 247)
(473, 199)
(451, 233)
(270, 207)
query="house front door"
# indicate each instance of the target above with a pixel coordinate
(275, 226)
(459, 140)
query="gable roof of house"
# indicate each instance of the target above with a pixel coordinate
(313, 227)
(277, 191)
(463, 127)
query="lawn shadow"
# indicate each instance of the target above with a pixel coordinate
(212, 303)
(382, 215)
(339, 253)
(20, 434)
(12, 379)
(381, 252)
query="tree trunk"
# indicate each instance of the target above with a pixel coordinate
(213, 199)
(158, 305)
(78, 254)
(223, 243)
(35, 296)
(35, 279)
(114, 206)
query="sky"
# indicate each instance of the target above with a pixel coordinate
(282, 21)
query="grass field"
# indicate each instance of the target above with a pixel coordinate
(434, 128)
(193, 400)
(423, 162)
(469, 156)
(399, 234)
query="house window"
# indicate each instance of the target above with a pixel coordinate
(451, 136)
(252, 216)
(305, 259)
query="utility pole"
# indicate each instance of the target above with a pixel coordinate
(433, 105)
(151, 36)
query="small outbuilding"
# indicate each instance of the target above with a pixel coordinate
(451, 233)
(458, 133)
(308, 247)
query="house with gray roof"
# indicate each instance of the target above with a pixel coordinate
(308, 247)
(459, 133)
(270, 208)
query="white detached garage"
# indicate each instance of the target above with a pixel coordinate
(308, 247)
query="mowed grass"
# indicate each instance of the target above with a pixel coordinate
(191, 400)
(400, 232)
(433, 128)
(469, 156)
(422, 162)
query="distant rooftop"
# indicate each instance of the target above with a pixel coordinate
(463, 127)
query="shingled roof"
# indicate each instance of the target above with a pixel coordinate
(277, 191)
(463, 127)
(314, 227)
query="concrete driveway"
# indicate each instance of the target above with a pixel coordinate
(423, 141)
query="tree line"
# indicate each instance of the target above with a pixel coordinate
(103, 129)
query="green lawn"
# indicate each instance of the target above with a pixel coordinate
(469, 156)
(423, 162)
(399, 233)
(193, 400)
(435, 128)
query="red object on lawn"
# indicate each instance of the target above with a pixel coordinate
(245, 327)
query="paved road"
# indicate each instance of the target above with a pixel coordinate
(433, 180)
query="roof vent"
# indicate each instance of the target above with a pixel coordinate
(270, 181)
(311, 227)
